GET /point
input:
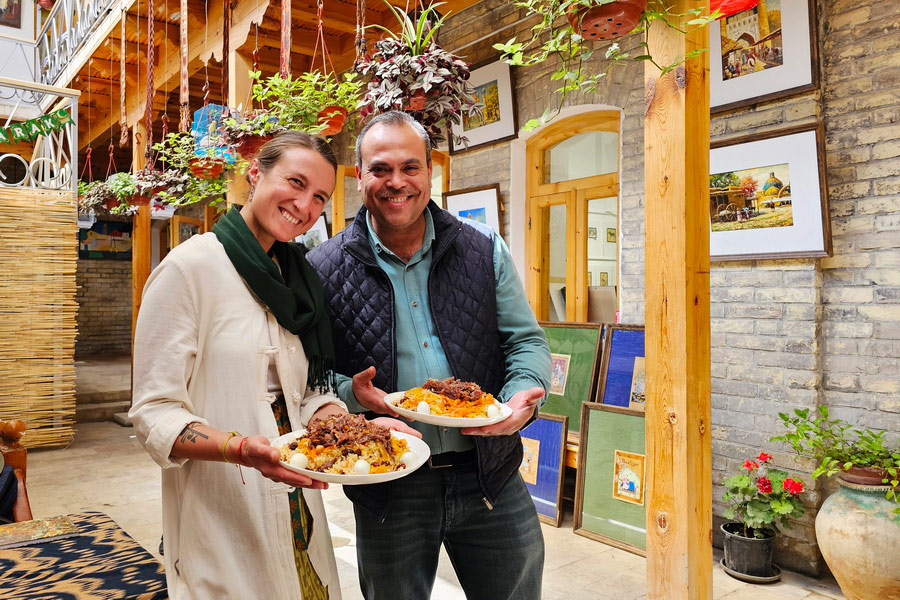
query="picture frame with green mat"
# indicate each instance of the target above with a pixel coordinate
(575, 349)
(610, 486)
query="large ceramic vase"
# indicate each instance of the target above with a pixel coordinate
(859, 536)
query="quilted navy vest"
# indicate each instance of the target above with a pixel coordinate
(461, 292)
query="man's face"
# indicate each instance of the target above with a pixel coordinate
(394, 177)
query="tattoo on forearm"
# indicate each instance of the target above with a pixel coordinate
(189, 434)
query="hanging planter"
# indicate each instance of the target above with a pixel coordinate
(332, 117)
(416, 102)
(206, 168)
(248, 145)
(46, 4)
(608, 21)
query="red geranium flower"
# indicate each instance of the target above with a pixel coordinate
(763, 457)
(764, 485)
(750, 465)
(794, 487)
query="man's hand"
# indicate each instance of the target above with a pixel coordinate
(370, 396)
(523, 405)
(397, 426)
(257, 453)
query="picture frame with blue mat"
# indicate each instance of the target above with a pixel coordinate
(575, 350)
(543, 464)
(480, 204)
(621, 368)
(610, 484)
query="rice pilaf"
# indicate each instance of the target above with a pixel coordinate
(449, 398)
(338, 443)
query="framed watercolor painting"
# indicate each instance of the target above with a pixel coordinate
(543, 464)
(481, 204)
(316, 234)
(768, 197)
(763, 53)
(610, 487)
(575, 352)
(622, 368)
(493, 88)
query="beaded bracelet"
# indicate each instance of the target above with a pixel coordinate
(231, 434)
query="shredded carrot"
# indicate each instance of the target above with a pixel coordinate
(446, 407)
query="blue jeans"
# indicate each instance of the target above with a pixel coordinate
(498, 554)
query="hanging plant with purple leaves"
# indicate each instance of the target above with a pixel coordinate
(408, 71)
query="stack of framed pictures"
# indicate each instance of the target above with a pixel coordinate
(610, 487)
(543, 464)
(574, 352)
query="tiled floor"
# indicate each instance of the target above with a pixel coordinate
(106, 469)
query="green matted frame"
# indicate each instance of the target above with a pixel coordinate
(599, 515)
(583, 343)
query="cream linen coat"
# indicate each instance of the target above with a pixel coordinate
(201, 353)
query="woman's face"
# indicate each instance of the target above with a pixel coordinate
(289, 198)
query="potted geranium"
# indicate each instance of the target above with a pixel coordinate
(858, 527)
(408, 71)
(760, 499)
(569, 28)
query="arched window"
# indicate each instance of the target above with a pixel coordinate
(572, 209)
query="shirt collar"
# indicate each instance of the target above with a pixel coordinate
(380, 249)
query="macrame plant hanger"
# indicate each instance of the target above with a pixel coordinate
(124, 140)
(360, 42)
(88, 168)
(184, 122)
(285, 38)
(148, 115)
(320, 41)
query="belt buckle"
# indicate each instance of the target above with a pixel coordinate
(431, 465)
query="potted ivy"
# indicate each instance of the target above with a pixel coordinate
(858, 527)
(95, 196)
(568, 30)
(150, 182)
(408, 71)
(183, 186)
(759, 500)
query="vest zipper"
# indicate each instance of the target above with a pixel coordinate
(487, 503)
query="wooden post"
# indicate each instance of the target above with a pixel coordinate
(239, 83)
(338, 199)
(676, 187)
(140, 233)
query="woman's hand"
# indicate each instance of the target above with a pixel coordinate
(396, 425)
(258, 453)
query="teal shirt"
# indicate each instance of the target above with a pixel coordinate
(419, 351)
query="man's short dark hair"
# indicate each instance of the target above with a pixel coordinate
(394, 118)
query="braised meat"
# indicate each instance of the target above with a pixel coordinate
(455, 389)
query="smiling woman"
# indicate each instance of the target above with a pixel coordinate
(291, 180)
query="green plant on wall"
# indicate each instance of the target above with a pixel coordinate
(554, 38)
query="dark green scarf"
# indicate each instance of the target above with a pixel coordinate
(294, 295)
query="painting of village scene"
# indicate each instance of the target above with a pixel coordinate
(489, 95)
(751, 40)
(751, 198)
(105, 239)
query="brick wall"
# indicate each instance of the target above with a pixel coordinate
(785, 333)
(104, 307)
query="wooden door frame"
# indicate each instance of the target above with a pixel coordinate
(574, 193)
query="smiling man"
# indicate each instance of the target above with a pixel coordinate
(413, 292)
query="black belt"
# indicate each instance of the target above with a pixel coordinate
(452, 459)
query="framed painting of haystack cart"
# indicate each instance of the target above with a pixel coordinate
(765, 52)
(494, 89)
(768, 197)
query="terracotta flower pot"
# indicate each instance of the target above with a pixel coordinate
(206, 168)
(333, 118)
(249, 145)
(607, 21)
(111, 203)
(416, 101)
(46, 4)
(139, 200)
(857, 532)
